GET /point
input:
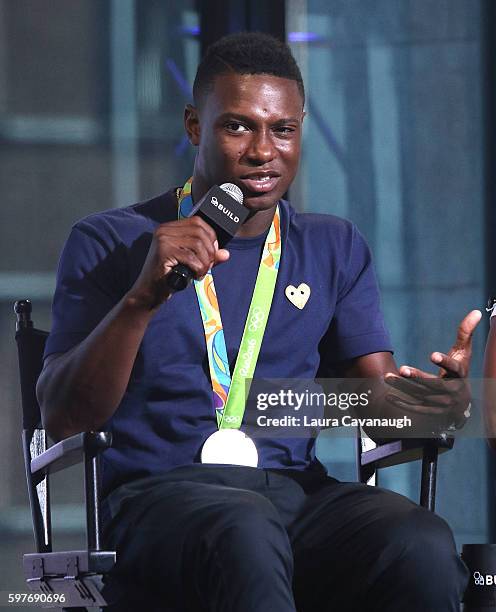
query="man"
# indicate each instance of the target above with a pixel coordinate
(128, 355)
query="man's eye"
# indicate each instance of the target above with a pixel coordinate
(285, 129)
(233, 126)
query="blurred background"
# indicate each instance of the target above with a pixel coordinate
(399, 138)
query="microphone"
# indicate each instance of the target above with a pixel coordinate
(222, 208)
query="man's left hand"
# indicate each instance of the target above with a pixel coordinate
(446, 394)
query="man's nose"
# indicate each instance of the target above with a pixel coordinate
(261, 149)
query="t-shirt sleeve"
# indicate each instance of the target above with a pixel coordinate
(89, 284)
(357, 327)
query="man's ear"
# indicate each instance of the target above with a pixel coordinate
(192, 124)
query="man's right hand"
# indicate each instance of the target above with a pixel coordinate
(80, 390)
(191, 242)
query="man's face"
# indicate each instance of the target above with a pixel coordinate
(248, 132)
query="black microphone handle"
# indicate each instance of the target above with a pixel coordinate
(179, 277)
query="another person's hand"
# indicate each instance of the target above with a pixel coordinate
(445, 395)
(191, 242)
(489, 370)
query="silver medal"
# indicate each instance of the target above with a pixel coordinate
(230, 447)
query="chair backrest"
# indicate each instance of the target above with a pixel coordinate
(30, 347)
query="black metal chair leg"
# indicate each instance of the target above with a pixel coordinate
(428, 481)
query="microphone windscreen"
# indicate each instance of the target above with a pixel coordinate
(234, 191)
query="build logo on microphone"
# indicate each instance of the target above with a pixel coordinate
(484, 580)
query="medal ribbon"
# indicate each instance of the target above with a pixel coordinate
(229, 392)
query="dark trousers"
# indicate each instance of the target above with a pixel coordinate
(240, 539)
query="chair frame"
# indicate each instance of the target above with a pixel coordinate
(370, 459)
(66, 579)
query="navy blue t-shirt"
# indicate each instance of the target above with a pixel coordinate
(167, 411)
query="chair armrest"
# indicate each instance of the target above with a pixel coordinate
(99, 562)
(402, 451)
(70, 451)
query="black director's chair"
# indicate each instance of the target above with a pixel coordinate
(69, 579)
(74, 579)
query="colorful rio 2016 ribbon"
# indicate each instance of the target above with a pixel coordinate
(229, 392)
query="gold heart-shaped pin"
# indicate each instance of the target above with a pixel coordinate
(298, 296)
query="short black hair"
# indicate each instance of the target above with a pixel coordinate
(246, 53)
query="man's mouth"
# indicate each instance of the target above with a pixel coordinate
(260, 183)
